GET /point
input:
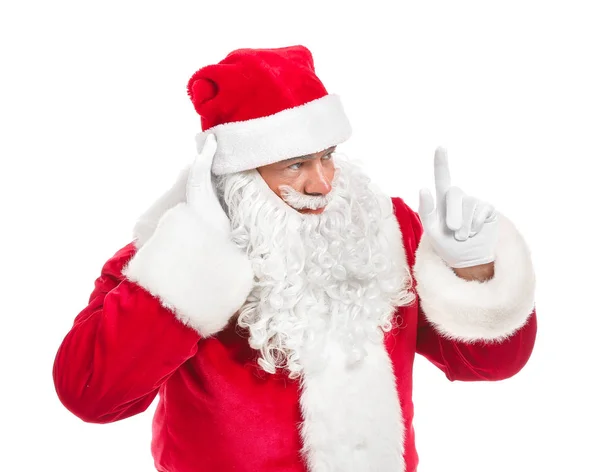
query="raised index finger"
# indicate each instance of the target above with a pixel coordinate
(441, 172)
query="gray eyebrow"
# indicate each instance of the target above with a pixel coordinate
(302, 158)
(308, 156)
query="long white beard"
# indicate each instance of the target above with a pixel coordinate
(317, 276)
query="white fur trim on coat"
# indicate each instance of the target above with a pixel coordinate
(473, 310)
(352, 415)
(195, 271)
(305, 129)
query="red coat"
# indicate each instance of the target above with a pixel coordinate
(219, 412)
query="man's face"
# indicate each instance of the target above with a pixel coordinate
(308, 176)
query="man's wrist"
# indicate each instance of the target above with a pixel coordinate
(480, 272)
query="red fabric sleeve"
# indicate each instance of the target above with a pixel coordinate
(479, 360)
(120, 350)
(458, 360)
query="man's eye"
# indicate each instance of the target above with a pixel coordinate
(328, 156)
(293, 166)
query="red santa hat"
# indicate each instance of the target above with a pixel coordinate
(264, 106)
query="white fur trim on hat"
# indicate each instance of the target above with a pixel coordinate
(305, 129)
(193, 270)
(473, 310)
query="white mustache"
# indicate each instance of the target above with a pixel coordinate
(299, 201)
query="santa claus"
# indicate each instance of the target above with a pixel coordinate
(274, 298)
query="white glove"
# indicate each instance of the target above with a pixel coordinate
(194, 185)
(146, 224)
(200, 193)
(462, 229)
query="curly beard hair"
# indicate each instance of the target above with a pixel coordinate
(316, 276)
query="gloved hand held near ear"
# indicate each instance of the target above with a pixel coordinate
(189, 261)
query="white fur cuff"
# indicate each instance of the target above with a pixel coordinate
(472, 310)
(197, 273)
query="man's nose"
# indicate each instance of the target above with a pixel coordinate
(318, 183)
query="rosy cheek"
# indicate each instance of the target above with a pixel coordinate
(329, 173)
(283, 177)
(291, 177)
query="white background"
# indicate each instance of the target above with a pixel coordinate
(95, 123)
